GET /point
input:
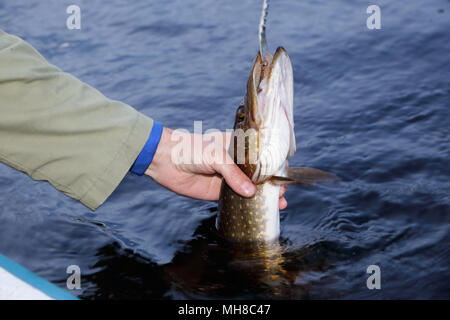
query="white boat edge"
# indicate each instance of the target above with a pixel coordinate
(19, 283)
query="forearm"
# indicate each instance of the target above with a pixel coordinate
(56, 128)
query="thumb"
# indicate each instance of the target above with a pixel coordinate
(235, 178)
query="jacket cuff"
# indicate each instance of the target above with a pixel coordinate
(146, 156)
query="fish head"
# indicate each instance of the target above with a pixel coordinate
(265, 118)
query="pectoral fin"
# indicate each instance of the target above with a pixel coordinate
(305, 176)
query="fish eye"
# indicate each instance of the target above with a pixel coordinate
(240, 114)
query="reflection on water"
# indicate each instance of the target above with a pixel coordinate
(206, 267)
(220, 270)
(371, 106)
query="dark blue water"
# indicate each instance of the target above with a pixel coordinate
(372, 106)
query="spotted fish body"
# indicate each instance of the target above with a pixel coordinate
(247, 220)
(267, 111)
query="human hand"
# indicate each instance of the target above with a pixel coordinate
(201, 176)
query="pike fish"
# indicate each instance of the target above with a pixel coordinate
(267, 113)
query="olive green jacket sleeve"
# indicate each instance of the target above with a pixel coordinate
(54, 127)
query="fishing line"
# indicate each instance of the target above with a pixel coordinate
(262, 30)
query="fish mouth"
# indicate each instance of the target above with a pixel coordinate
(269, 110)
(266, 77)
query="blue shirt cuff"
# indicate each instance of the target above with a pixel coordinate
(148, 152)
